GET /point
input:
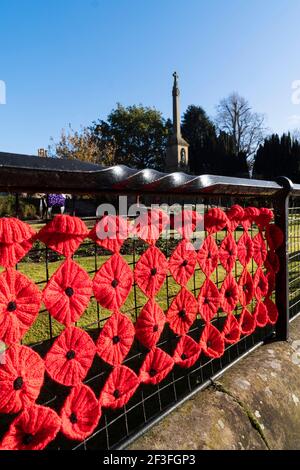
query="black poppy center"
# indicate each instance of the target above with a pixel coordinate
(69, 291)
(115, 282)
(152, 372)
(184, 262)
(230, 253)
(70, 354)
(228, 293)
(261, 284)
(12, 306)
(153, 271)
(209, 255)
(73, 418)
(245, 288)
(182, 313)
(116, 339)
(183, 356)
(27, 439)
(155, 328)
(206, 300)
(209, 344)
(18, 383)
(117, 393)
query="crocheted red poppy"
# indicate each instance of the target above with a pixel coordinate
(182, 312)
(272, 262)
(70, 357)
(16, 238)
(246, 288)
(259, 249)
(33, 429)
(234, 215)
(271, 311)
(68, 292)
(63, 234)
(119, 387)
(260, 283)
(212, 341)
(247, 322)
(115, 339)
(187, 352)
(215, 220)
(208, 300)
(150, 271)
(182, 262)
(227, 253)
(110, 232)
(80, 413)
(250, 214)
(264, 217)
(149, 225)
(208, 256)
(270, 275)
(261, 314)
(21, 378)
(20, 302)
(245, 249)
(150, 324)
(274, 236)
(156, 366)
(229, 294)
(112, 283)
(231, 331)
(187, 221)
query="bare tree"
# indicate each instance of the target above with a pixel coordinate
(247, 128)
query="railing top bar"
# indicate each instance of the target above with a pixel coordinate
(37, 174)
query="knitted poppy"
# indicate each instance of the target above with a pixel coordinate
(246, 288)
(250, 214)
(208, 300)
(260, 283)
(264, 217)
(80, 413)
(20, 302)
(187, 221)
(212, 342)
(150, 271)
(234, 215)
(63, 234)
(21, 378)
(150, 324)
(229, 294)
(261, 314)
(245, 249)
(33, 429)
(215, 220)
(115, 339)
(70, 357)
(187, 352)
(110, 232)
(272, 311)
(247, 322)
(272, 261)
(68, 292)
(16, 238)
(259, 249)
(270, 275)
(149, 225)
(227, 253)
(156, 366)
(182, 312)
(182, 262)
(231, 331)
(119, 387)
(112, 283)
(275, 236)
(208, 256)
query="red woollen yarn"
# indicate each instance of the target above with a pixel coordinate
(182, 312)
(264, 217)
(260, 283)
(247, 322)
(156, 366)
(112, 283)
(149, 225)
(16, 238)
(63, 234)
(183, 262)
(212, 342)
(271, 311)
(231, 331)
(115, 339)
(150, 271)
(208, 300)
(70, 357)
(245, 249)
(228, 253)
(274, 236)
(208, 256)
(272, 262)
(234, 215)
(270, 276)
(250, 214)
(68, 292)
(33, 429)
(21, 378)
(80, 413)
(246, 288)
(259, 249)
(150, 324)
(215, 220)
(187, 352)
(119, 387)
(187, 221)
(20, 302)
(229, 294)
(261, 315)
(110, 232)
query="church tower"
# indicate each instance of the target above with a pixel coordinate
(177, 158)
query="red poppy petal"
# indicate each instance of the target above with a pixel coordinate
(247, 322)
(229, 294)
(231, 330)
(260, 283)
(80, 413)
(182, 262)
(115, 339)
(187, 221)
(261, 315)
(182, 312)
(234, 215)
(156, 366)
(272, 262)
(228, 253)
(150, 324)
(245, 249)
(264, 217)
(250, 215)
(208, 300)
(187, 352)
(150, 271)
(272, 311)
(259, 249)
(149, 225)
(275, 236)
(208, 256)
(246, 288)
(215, 220)
(110, 232)
(212, 342)
(16, 238)
(119, 387)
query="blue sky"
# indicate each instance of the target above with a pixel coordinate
(71, 61)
